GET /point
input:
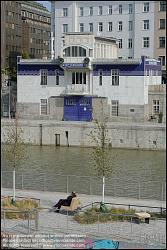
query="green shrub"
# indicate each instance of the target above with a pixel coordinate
(92, 215)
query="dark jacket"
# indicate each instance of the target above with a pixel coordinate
(67, 202)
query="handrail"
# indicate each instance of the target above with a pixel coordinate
(110, 203)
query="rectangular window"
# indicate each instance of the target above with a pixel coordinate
(162, 59)
(146, 24)
(162, 24)
(70, 102)
(100, 27)
(115, 105)
(130, 8)
(146, 42)
(130, 45)
(146, 7)
(100, 10)
(115, 77)
(65, 28)
(44, 76)
(156, 107)
(78, 77)
(162, 6)
(120, 9)
(65, 12)
(130, 25)
(120, 44)
(91, 27)
(162, 42)
(81, 27)
(100, 77)
(81, 11)
(120, 26)
(110, 26)
(84, 77)
(43, 106)
(57, 78)
(73, 78)
(110, 9)
(91, 11)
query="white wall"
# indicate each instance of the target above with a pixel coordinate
(29, 89)
(130, 89)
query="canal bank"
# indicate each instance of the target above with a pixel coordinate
(130, 235)
(148, 136)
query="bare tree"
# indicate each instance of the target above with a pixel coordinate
(102, 154)
(14, 152)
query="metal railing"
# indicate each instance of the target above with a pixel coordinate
(120, 227)
(23, 223)
(90, 185)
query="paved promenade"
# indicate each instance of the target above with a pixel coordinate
(49, 198)
(130, 235)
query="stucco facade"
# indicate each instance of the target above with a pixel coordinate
(138, 21)
(160, 34)
(84, 81)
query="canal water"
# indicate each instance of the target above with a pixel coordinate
(141, 173)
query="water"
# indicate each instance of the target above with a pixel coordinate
(129, 167)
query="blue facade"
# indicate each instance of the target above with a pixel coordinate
(137, 69)
(77, 108)
(34, 69)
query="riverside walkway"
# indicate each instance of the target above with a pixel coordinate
(130, 235)
(49, 198)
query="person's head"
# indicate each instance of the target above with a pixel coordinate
(73, 193)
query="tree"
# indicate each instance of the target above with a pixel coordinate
(3, 73)
(25, 55)
(102, 154)
(14, 152)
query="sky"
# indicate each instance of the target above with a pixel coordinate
(47, 4)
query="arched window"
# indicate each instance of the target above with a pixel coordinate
(74, 51)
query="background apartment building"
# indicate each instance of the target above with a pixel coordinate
(134, 23)
(160, 34)
(35, 29)
(25, 26)
(10, 33)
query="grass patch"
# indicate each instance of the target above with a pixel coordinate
(94, 214)
(18, 208)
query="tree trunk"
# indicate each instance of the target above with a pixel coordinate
(14, 188)
(103, 189)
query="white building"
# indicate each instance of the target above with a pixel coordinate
(132, 22)
(85, 76)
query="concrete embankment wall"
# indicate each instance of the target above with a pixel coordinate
(151, 136)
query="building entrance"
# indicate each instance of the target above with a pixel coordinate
(77, 108)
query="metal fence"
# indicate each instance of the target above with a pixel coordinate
(120, 228)
(86, 185)
(24, 223)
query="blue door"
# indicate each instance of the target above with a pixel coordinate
(77, 108)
